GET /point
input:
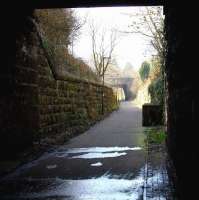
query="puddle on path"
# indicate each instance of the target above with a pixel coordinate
(99, 155)
(102, 149)
(106, 187)
(110, 186)
(84, 153)
(51, 166)
(74, 154)
(98, 164)
(95, 152)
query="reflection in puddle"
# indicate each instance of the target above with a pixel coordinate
(98, 164)
(101, 188)
(100, 155)
(51, 166)
(158, 186)
(102, 149)
(106, 187)
(97, 152)
(73, 153)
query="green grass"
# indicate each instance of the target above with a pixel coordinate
(156, 136)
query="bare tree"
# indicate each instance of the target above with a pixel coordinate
(103, 46)
(149, 22)
(78, 24)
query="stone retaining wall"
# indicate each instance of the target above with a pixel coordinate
(39, 105)
(70, 105)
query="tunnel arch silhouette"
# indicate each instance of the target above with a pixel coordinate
(182, 101)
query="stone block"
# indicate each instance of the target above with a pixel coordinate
(152, 115)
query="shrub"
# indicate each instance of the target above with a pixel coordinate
(144, 70)
(156, 91)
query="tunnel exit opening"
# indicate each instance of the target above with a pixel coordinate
(127, 56)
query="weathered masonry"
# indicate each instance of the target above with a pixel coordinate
(40, 102)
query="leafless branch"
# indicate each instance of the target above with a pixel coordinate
(102, 50)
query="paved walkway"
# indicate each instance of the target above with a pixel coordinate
(108, 162)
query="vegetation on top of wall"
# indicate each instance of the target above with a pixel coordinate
(60, 28)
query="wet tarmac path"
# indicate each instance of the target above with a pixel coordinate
(105, 163)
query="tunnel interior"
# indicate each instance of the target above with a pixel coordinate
(182, 99)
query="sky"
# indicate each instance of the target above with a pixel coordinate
(131, 48)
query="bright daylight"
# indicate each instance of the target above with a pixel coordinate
(129, 42)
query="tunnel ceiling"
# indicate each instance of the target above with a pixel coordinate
(93, 3)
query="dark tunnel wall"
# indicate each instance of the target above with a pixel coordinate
(182, 99)
(182, 86)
